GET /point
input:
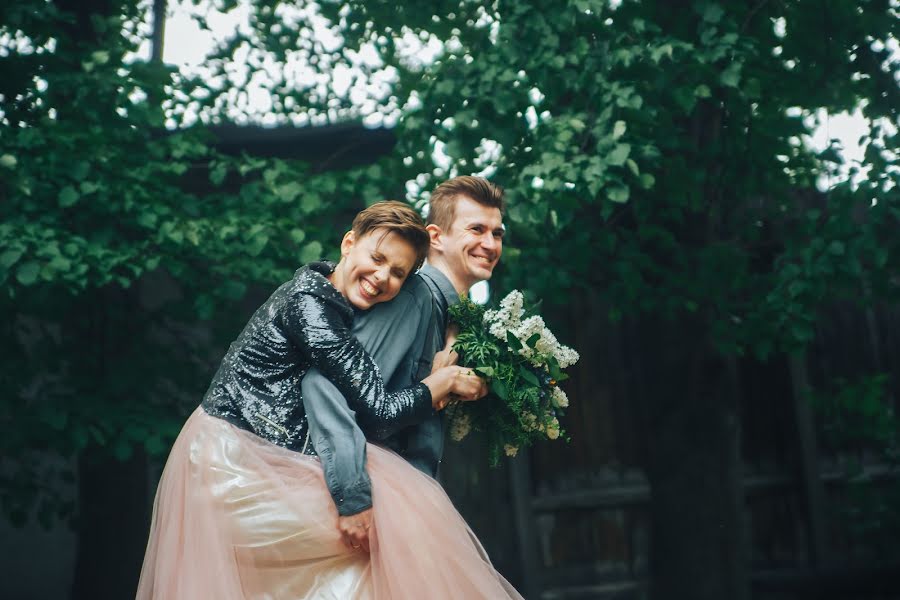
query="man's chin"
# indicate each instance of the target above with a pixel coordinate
(482, 274)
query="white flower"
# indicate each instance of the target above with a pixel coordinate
(513, 303)
(507, 317)
(510, 450)
(461, 425)
(558, 398)
(530, 422)
(565, 356)
(553, 429)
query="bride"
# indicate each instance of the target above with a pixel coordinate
(242, 510)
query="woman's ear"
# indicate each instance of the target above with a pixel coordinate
(347, 243)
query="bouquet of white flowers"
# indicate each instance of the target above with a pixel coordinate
(523, 363)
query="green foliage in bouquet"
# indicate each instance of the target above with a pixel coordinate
(523, 363)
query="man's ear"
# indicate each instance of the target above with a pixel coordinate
(347, 243)
(435, 233)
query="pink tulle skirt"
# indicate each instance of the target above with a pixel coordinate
(236, 517)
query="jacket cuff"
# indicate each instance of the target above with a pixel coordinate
(355, 499)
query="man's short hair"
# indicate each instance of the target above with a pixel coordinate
(442, 205)
(395, 217)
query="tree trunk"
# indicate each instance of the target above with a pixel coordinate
(690, 403)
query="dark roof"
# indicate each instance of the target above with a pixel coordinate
(326, 146)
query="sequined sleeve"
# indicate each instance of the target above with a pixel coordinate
(320, 332)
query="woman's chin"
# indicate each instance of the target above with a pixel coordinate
(361, 302)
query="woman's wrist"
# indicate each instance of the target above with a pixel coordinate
(439, 383)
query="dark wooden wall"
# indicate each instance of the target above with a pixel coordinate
(584, 529)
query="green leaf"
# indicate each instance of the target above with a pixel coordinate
(528, 376)
(533, 340)
(514, 343)
(298, 235)
(731, 76)
(555, 371)
(311, 251)
(647, 180)
(619, 154)
(68, 196)
(619, 194)
(289, 191)
(499, 388)
(100, 57)
(8, 161)
(660, 51)
(89, 187)
(218, 173)
(619, 129)
(633, 167)
(702, 91)
(486, 371)
(27, 272)
(9, 257)
(310, 202)
(837, 248)
(257, 243)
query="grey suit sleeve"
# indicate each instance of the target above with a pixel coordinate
(386, 334)
(339, 443)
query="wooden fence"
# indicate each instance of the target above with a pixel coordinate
(573, 520)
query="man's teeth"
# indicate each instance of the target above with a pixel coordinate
(368, 288)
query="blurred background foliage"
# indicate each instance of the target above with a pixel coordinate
(654, 155)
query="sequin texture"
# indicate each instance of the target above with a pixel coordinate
(305, 323)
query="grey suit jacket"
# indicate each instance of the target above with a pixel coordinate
(402, 337)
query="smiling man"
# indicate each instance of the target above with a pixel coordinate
(465, 222)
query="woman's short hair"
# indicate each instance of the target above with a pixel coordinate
(442, 205)
(396, 217)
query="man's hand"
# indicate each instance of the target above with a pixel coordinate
(355, 529)
(448, 355)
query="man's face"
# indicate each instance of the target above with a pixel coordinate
(373, 267)
(471, 246)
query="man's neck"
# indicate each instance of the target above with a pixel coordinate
(461, 287)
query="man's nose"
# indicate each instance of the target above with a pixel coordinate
(489, 241)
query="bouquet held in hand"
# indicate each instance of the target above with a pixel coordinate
(523, 363)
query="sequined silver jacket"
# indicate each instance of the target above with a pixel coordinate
(305, 323)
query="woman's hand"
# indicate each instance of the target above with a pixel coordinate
(355, 529)
(454, 383)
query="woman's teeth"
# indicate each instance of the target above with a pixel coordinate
(368, 288)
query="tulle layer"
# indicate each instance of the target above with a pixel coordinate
(238, 518)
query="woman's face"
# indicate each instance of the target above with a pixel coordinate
(373, 267)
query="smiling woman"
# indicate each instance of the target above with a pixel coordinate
(386, 244)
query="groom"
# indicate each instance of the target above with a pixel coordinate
(466, 228)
